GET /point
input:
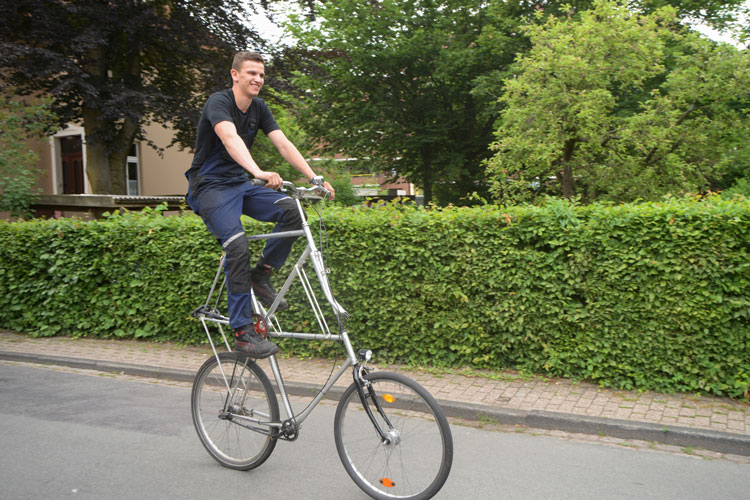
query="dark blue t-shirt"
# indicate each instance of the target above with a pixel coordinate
(211, 157)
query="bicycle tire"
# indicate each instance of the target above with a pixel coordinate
(417, 464)
(228, 431)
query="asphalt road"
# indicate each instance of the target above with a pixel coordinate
(82, 436)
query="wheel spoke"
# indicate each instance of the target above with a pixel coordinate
(229, 442)
(417, 460)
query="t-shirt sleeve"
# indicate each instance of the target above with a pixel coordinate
(267, 122)
(218, 109)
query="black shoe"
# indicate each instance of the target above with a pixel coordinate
(248, 341)
(260, 279)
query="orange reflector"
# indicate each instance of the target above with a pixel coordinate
(387, 482)
(388, 398)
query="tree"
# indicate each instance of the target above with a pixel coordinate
(268, 157)
(116, 66)
(619, 105)
(389, 81)
(412, 85)
(266, 154)
(717, 13)
(20, 122)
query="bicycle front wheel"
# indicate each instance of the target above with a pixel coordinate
(232, 404)
(415, 461)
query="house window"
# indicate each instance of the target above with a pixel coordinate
(131, 171)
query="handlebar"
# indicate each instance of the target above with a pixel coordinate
(301, 192)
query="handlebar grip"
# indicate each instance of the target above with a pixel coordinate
(284, 184)
(316, 181)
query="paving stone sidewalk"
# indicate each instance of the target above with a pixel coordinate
(489, 393)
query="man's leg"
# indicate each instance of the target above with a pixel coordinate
(271, 206)
(221, 210)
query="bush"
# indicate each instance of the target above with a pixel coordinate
(19, 123)
(740, 187)
(650, 296)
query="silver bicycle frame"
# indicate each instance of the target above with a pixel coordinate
(208, 314)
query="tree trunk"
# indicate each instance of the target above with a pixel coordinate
(568, 186)
(118, 157)
(105, 167)
(427, 188)
(106, 161)
(567, 181)
(426, 155)
(117, 167)
(97, 160)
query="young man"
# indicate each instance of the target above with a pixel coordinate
(220, 191)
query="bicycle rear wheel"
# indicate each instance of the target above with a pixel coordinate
(232, 403)
(417, 461)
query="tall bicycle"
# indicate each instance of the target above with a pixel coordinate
(391, 435)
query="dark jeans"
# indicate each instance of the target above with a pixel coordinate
(221, 202)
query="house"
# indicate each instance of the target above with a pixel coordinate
(148, 174)
(367, 184)
(151, 177)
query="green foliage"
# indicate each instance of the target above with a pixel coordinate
(390, 81)
(265, 153)
(345, 194)
(414, 85)
(649, 296)
(721, 14)
(268, 158)
(340, 177)
(613, 105)
(741, 187)
(19, 123)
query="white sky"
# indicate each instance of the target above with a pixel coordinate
(724, 37)
(270, 31)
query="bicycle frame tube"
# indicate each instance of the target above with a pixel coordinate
(317, 260)
(207, 314)
(318, 265)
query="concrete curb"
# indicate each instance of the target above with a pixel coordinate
(723, 442)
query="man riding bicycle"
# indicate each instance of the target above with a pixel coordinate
(220, 191)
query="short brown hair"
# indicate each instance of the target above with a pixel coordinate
(241, 57)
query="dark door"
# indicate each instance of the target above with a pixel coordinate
(72, 164)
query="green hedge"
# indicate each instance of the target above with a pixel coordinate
(650, 296)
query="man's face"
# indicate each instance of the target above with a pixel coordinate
(249, 79)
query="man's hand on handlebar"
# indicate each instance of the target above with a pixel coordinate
(272, 179)
(329, 188)
(318, 181)
(323, 187)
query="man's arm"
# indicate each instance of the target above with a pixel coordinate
(236, 148)
(290, 153)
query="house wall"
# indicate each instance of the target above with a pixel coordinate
(162, 176)
(42, 149)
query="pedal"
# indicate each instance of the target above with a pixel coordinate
(208, 312)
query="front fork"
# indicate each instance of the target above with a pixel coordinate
(365, 391)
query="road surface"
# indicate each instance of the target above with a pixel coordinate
(68, 433)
